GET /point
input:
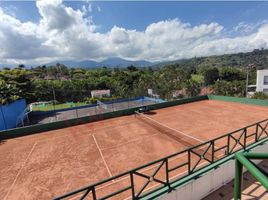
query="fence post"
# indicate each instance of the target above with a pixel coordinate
(76, 113)
(3, 117)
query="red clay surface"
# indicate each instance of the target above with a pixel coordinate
(46, 165)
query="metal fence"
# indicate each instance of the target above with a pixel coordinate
(42, 117)
(164, 172)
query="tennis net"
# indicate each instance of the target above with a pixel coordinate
(183, 138)
(179, 136)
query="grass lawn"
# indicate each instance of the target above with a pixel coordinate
(58, 106)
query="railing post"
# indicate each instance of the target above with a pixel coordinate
(94, 193)
(212, 149)
(132, 185)
(238, 180)
(257, 129)
(167, 172)
(189, 161)
(245, 138)
(228, 144)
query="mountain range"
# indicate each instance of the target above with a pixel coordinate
(110, 62)
(258, 57)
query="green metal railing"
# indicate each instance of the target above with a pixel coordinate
(244, 159)
(186, 163)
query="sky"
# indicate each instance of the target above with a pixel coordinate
(43, 31)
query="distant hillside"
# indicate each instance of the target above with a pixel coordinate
(110, 62)
(257, 57)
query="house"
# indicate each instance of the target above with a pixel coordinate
(262, 81)
(100, 93)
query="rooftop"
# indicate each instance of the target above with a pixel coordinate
(49, 164)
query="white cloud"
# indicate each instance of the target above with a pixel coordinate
(246, 28)
(65, 33)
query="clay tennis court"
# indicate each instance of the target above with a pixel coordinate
(49, 164)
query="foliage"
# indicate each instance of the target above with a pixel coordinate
(231, 74)
(228, 88)
(199, 78)
(15, 84)
(7, 93)
(192, 88)
(211, 75)
(226, 74)
(260, 95)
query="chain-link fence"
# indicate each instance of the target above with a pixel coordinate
(54, 110)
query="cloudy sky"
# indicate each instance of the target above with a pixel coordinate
(52, 30)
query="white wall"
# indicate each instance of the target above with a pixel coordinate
(211, 181)
(260, 78)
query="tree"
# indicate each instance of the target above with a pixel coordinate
(230, 88)
(19, 82)
(7, 93)
(193, 88)
(211, 75)
(231, 74)
(132, 68)
(21, 66)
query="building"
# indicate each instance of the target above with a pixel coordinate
(262, 81)
(100, 93)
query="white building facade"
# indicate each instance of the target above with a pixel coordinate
(262, 81)
(100, 93)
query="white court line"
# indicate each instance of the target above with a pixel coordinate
(149, 168)
(154, 166)
(19, 172)
(142, 170)
(106, 165)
